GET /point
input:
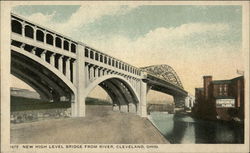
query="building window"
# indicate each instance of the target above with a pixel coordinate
(220, 90)
(225, 90)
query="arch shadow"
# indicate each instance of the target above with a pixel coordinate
(96, 82)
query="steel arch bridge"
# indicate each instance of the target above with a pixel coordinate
(60, 68)
(164, 72)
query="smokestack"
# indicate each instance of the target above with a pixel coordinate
(206, 82)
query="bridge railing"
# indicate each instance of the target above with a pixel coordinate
(52, 47)
(38, 33)
(110, 62)
(98, 64)
(60, 51)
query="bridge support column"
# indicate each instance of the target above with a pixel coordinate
(43, 55)
(101, 72)
(86, 74)
(91, 73)
(60, 64)
(67, 69)
(52, 59)
(45, 37)
(142, 110)
(138, 85)
(34, 34)
(132, 108)
(124, 108)
(33, 51)
(96, 72)
(70, 46)
(23, 30)
(115, 107)
(179, 101)
(105, 72)
(78, 108)
(74, 72)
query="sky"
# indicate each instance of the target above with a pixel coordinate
(195, 40)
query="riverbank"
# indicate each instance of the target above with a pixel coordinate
(101, 125)
(184, 129)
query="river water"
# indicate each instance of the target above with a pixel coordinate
(183, 129)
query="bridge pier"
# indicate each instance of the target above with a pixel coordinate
(73, 105)
(124, 108)
(142, 109)
(132, 108)
(179, 101)
(78, 107)
(115, 107)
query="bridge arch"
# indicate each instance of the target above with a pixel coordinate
(49, 82)
(43, 91)
(119, 89)
(96, 82)
(163, 78)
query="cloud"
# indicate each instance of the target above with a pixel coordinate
(186, 48)
(162, 40)
(84, 15)
(186, 30)
(44, 19)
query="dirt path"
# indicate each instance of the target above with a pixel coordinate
(101, 125)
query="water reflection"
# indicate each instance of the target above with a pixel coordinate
(179, 128)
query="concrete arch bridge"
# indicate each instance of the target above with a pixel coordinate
(59, 69)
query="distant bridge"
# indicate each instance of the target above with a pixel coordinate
(62, 69)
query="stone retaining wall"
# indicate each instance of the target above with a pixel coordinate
(35, 115)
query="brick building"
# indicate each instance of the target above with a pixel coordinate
(220, 99)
